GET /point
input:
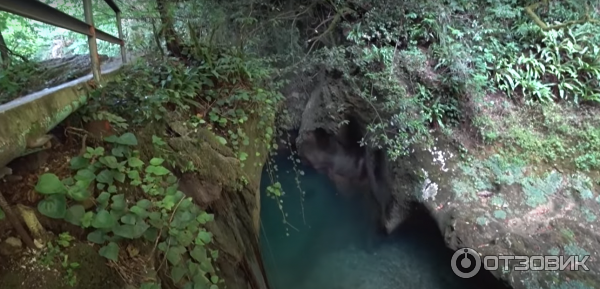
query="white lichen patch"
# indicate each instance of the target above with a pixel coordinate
(440, 157)
(429, 189)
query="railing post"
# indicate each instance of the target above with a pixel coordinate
(89, 18)
(120, 29)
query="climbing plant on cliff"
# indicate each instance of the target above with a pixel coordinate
(122, 190)
(161, 215)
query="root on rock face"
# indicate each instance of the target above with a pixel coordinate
(16, 224)
(31, 221)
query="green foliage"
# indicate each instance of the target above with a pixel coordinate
(565, 66)
(40, 41)
(538, 190)
(54, 254)
(549, 134)
(518, 186)
(134, 200)
(221, 93)
(452, 52)
(15, 78)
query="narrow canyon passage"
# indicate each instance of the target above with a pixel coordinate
(329, 242)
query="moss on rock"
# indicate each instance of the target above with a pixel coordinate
(28, 272)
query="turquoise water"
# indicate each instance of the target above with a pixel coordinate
(329, 243)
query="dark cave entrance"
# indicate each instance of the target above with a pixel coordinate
(331, 241)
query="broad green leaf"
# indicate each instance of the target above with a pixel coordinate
(177, 272)
(199, 254)
(49, 184)
(118, 202)
(201, 282)
(184, 238)
(155, 216)
(171, 179)
(221, 140)
(131, 231)
(78, 163)
(110, 251)
(214, 254)
(85, 175)
(133, 175)
(139, 211)
(53, 206)
(129, 219)
(104, 220)
(157, 170)
(151, 234)
(183, 217)
(205, 217)
(105, 176)
(135, 162)
(99, 151)
(174, 254)
(127, 139)
(203, 237)
(87, 219)
(186, 204)
(144, 204)
(75, 214)
(111, 139)
(109, 161)
(68, 181)
(118, 151)
(79, 193)
(97, 237)
(156, 161)
(120, 177)
(103, 199)
(193, 268)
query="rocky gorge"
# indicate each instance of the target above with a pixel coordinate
(472, 120)
(489, 205)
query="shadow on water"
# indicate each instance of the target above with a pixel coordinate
(329, 242)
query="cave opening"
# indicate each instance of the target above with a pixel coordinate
(327, 239)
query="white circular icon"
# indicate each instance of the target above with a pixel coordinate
(462, 262)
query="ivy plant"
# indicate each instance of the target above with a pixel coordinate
(110, 178)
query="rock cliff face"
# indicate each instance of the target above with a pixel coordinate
(216, 185)
(513, 213)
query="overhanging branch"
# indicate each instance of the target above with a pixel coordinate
(531, 12)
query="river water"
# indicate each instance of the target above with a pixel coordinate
(325, 242)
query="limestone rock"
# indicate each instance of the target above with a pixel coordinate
(11, 246)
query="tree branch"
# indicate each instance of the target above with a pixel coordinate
(530, 10)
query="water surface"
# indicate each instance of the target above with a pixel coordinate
(326, 244)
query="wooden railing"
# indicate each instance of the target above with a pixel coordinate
(39, 11)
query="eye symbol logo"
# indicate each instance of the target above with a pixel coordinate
(466, 262)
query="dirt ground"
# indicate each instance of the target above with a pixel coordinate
(23, 268)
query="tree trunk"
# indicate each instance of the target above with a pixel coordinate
(167, 29)
(4, 52)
